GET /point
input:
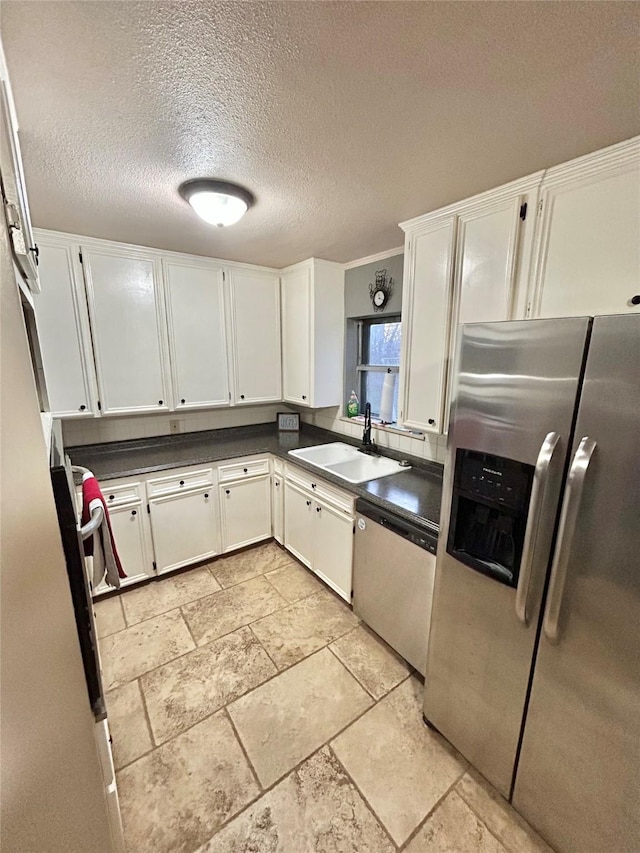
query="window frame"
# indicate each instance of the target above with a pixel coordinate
(363, 367)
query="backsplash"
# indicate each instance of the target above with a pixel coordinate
(432, 447)
(98, 430)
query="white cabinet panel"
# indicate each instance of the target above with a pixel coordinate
(299, 524)
(425, 322)
(245, 512)
(131, 535)
(487, 250)
(277, 508)
(197, 339)
(128, 324)
(63, 331)
(588, 259)
(296, 344)
(184, 528)
(255, 321)
(333, 557)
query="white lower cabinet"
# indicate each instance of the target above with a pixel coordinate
(245, 512)
(298, 523)
(184, 528)
(277, 508)
(333, 556)
(320, 536)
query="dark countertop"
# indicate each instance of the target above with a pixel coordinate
(414, 495)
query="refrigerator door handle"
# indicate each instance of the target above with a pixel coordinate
(566, 529)
(540, 476)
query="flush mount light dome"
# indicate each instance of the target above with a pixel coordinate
(217, 202)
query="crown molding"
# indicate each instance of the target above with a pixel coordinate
(371, 259)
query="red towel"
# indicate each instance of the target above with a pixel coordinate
(110, 559)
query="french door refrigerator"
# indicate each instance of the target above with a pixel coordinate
(533, 670)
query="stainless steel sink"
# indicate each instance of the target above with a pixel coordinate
(348, 463)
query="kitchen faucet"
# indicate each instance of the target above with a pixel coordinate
(368, 446)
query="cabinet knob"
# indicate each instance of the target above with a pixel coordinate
(318, 508)
(431, 421)
(206, 494)
(182, 482)
(635, 300)
(82, 408)
(246, 470)
(313, 485)
(111, 497)
(227, 492)
(308, 503)
(277, 483)
(161, 402)
(134, 512)
(304, 396)
(242, 396)
(183, 400)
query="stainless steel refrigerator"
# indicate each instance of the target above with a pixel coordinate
(533, 670)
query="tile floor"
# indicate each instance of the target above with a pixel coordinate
(251, 712)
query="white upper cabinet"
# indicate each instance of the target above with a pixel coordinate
(427, 294)
(313, 333)
(255, 327)
(63, 331)
(588, 244)
(128, 325)
(194, 295)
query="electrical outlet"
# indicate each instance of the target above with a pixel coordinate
(174, 426)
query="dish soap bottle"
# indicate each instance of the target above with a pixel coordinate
(353, 406)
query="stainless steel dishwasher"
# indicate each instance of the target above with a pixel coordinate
(393, 573)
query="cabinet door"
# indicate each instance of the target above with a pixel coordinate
(333, 548)
(129, 332)
(296, 354)
(184, 528)
(277, 508)
(299, 523)
(130, 528)
(245, 510)
(588, 253)
(197, 340)
(63, 332)
(427, 293)
(255, 320)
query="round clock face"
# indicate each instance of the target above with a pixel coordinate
(379, 298)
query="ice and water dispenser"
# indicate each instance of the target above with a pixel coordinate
(489, 513)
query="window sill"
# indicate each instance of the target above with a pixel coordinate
(375, 424)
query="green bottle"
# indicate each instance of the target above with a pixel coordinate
(353, 406)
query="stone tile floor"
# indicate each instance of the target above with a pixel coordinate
(251, 712)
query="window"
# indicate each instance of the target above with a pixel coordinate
(378, 354)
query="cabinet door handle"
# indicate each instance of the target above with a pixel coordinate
(134, 512)
(313, 485)
(277, 483)
(431, 421)
(182, 482)
(227, 492)
(161, 402)
(111, 497)
(183, 400)
(246, 470)
(635, 300)
(318, 508)
(304, 396)
(82, 407)
(206, 494)
(308, 503)
(242, 396)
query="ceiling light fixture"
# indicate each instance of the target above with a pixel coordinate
(217, 202)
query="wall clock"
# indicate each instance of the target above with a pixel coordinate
(381, 290)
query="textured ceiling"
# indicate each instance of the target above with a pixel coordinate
(343, 118)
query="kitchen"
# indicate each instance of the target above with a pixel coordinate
(303, 580)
